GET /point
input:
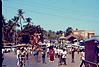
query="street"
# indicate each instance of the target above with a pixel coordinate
(10, 61)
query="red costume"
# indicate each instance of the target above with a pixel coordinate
(51, 54)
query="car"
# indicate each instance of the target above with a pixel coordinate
(6, 49)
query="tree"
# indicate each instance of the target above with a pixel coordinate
(28, 19)
(60, 32)
(7, 31)
(29, 23)
(10, 29)
(17, 24)
(3, 28)
(20, 16)
(69, 30)
(51, 35)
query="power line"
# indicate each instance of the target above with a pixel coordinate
(36, 8)
(38, 12)
(43, 5)
(43, 13)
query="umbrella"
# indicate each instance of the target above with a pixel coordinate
(62, 38)
(71, 38)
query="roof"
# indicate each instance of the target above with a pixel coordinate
(83, 31)
(93, 39)
(96, 40)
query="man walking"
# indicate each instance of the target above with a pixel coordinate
(82, 54)
(43, 55)
(73, 54)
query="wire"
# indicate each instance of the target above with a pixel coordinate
(43, 6)
(37, 12)
(44, 13)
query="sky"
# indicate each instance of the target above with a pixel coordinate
(56, 14)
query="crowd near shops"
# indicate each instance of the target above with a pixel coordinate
(41, 52)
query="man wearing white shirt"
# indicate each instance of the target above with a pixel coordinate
(18, 52)
(82, 57)
(60, 51)
(64, 56)
(56, 51)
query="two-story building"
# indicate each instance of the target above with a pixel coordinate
(84, 34)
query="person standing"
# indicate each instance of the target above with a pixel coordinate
(73, 54)
(48, 52)
(43, 55)
(82, 56)
(17, 55)
(22, 57)
(64, 54)
(60, 51)
(39, 54)
(27, 53)
(56, 52)
(51, 54)
(36, 55)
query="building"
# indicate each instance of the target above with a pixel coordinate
(84, 34)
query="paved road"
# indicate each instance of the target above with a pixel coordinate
(10, 61)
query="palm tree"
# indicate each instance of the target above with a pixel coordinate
(16, 24)
(28, 20)
(20, 16)
(15, 19)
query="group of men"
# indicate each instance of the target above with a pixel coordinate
(51, 52)
(36, 52)
(22, 55)
(60, 53)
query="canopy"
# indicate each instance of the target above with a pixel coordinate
(95, 39)
(62, 38)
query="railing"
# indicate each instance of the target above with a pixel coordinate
(91, 63)
(8, 43)
(3, 65)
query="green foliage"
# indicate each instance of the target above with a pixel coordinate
(10, 28)
(69, 30)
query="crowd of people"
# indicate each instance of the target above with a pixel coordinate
(39, 54)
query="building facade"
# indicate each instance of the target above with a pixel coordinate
(84, 34)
